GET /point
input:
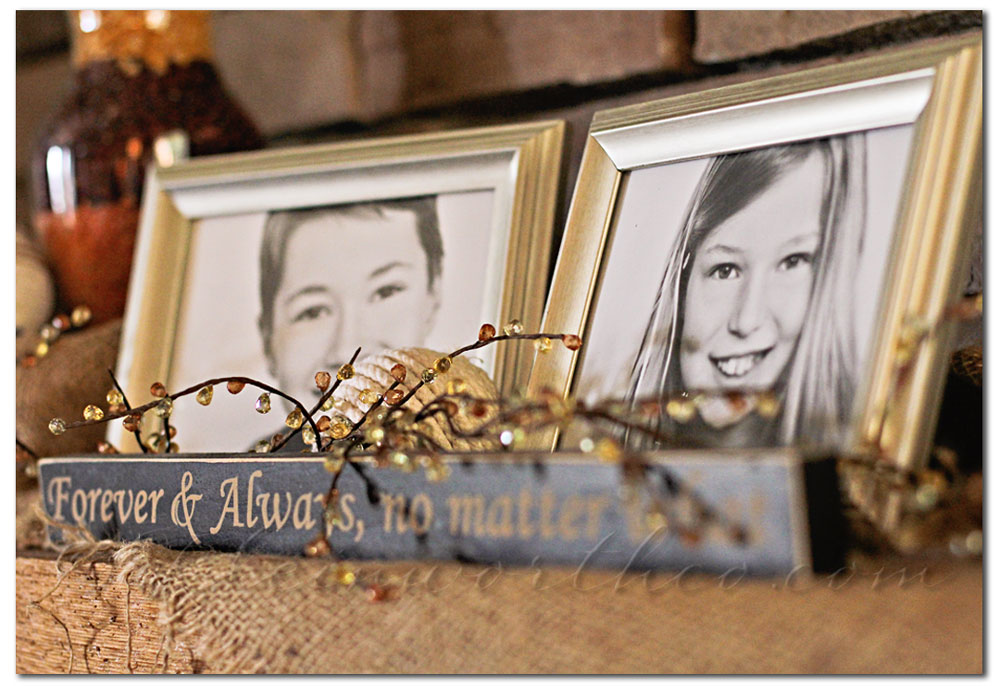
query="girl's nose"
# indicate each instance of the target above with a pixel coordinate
(750, 310)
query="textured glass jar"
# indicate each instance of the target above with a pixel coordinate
(144, 88)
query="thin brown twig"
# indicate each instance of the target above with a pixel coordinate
(128, 406)
(31, 453)
(245, 380)
(316, 408)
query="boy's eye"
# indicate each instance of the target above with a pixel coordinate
(724, 271)
(387, 291)
(311, 313)
(795, 260)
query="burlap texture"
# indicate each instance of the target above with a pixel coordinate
(240, 613)
(73, 375)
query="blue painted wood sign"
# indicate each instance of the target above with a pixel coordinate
(756, 511)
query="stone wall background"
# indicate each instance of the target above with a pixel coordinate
(311, 76)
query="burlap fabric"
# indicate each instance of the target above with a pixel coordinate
(73, 375)
(234, 613)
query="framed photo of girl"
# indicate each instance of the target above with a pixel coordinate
(278, 264)
(776, 242)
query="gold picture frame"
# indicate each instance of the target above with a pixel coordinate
(516, 168)
(936, 89)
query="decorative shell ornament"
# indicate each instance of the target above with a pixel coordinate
(372, 375)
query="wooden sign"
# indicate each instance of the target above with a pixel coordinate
(759, 512)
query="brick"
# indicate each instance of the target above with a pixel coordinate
(456, 55)
(289, 70)
(323, 67)
(724, 35)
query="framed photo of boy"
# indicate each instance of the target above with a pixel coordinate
(762, 253)
(279, 264)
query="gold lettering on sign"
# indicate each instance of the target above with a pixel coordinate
(347, 518)
(183, 505)
(548, 504)
(466, 515)
(421, 523)
(526, 514)
(140, 503)
(79, 513)
(524, 528)
(499, 517)
(393, 503)
(346, 522)
(400, 520)
(509, 516)
(58, 495)
(154, 500)
(251, 519)
(572, 508)
(124, 512)
(271, 516)
(595, 511)
(103, 504)
(302, 514)
(92, 499)
(228, 490)
(107, 499)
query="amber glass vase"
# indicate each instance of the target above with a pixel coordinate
(144, 88)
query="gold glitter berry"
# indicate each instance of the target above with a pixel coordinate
(486, 332)
(80, 316)
(294, 419)
(204, 396)
(398, 372)
(345, 372)
(322, 380)
(572, 341)
(513, 327)
(164, 408)
(340, 426)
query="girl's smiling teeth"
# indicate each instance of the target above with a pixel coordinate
(736, 366)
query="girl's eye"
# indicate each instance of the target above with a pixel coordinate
(387, 291)
(724, 272)
(795, 260)
(311, 313)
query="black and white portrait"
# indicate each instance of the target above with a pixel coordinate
(283, 294)
(385, 294)
(759, 270)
